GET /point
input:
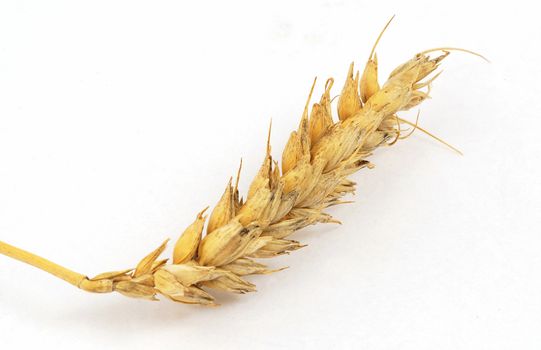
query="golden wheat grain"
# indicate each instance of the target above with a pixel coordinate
(315, 165)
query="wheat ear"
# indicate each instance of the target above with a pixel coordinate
(282, 198)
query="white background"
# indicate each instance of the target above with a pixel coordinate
(120, 120)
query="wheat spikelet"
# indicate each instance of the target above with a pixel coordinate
(282, 198)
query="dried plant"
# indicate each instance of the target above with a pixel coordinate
(313, 175)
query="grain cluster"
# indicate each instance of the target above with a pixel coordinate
(217, 251)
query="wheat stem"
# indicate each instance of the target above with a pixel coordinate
(70, 276)
(61, 272)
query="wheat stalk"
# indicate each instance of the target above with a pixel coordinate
(313, 175)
